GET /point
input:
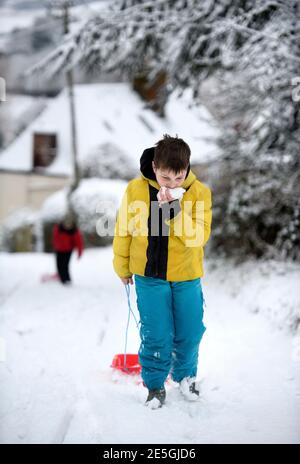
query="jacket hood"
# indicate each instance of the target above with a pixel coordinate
(148, 173)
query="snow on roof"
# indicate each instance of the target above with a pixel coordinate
(110, 113)
(12, 19)
(15, 18)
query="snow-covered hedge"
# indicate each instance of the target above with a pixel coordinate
(18, 232)
(95, 203)
(107, 161)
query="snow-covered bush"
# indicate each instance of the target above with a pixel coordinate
(107, 161)
(18, 231)
(54, 207)
(94, 202)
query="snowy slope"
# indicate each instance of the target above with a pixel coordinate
(57, 386)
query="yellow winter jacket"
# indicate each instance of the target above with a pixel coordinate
(163, 242)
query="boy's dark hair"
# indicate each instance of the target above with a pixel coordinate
(172, 153)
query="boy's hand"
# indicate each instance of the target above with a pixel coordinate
(164, 195)
(127, 280)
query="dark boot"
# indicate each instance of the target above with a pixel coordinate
(156, 398)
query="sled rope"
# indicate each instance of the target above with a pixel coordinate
(127, 288)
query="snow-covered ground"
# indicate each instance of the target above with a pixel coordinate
(57, 385)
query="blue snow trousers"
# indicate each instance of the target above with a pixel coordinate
(171, 315)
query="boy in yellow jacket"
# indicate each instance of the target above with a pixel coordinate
(162, 225)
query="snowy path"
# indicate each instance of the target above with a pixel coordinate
(57, 387)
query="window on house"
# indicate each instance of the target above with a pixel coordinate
(44, 149)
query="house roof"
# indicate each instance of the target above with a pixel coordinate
(110, 113)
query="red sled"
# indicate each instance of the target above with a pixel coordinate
(128, 364)
(49, 277)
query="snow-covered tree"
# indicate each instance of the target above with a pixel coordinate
(261, 140)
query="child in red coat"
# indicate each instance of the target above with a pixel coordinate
(66, 238)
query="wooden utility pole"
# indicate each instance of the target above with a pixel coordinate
(70, 85)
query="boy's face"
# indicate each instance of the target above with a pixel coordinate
(167, 178)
